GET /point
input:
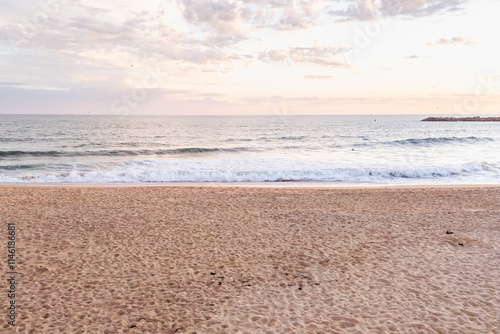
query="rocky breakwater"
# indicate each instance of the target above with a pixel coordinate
(461, 119)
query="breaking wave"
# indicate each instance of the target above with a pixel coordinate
(211, 170)
(120, 153)
(439, 140)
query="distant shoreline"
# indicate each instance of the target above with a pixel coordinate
(461, 119)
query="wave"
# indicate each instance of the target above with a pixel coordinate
(293, 137)
(188, 150)
(18, 167)
(282, 138)
(237, 139)
(264, 170)
(439, 140)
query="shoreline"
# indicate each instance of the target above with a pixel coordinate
(286, 185)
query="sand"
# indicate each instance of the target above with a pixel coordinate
(254, 260)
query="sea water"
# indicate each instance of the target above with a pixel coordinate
(348, 149)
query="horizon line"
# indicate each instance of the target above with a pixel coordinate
(277, 115)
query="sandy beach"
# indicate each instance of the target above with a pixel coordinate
(253, 260)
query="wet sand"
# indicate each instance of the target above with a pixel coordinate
(254, 260)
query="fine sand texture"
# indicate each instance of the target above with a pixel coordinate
(253, 260)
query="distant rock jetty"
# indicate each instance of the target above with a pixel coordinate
(461, 119)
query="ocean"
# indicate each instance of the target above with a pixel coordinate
(351, 150)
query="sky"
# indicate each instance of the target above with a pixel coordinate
(281, 57)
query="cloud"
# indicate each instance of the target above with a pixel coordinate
(11, 83)
(204, 33)
(367, 10)
(112, 41)
(453, 41)
(364, 10)
(322, 56)
(241, 17)
(221, 15)
(317, 77)
(223, 21)
(285, 14)
(90, 52)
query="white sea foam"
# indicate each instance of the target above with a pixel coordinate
(263, 170)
